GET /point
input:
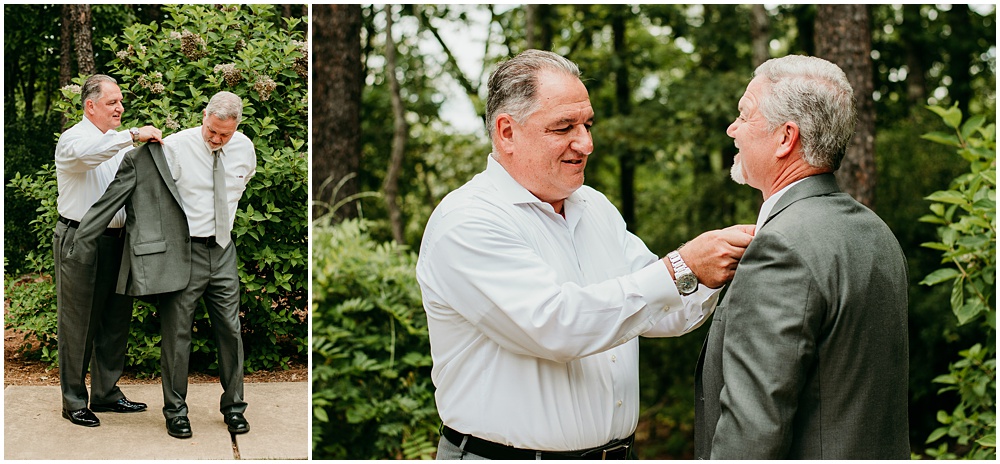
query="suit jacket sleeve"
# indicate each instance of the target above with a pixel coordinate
(93, 224)
(765, 362)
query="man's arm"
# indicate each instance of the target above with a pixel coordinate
(77, 152)
(498, 282)
(770, 345)
(714, 256)
(84, 246)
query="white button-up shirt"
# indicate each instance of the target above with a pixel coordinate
(190, 160)
(86, 162)
(533, 317)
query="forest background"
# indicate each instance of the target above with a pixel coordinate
(664, 81)
(168, 60)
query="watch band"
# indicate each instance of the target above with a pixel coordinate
(677, 262)
(684, 278)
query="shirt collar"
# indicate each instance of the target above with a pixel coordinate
(90, 126)
(765, 209)
(509, 190)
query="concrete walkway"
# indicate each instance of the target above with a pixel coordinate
(278, 414)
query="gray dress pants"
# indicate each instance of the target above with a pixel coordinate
(92, 321)
(214, 278)
(448, 451)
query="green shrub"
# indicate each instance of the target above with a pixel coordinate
(167, 73)
(966, 218)
(372, 391)
(24, 151)
(27, 295)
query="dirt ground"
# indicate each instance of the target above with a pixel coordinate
(21, 370)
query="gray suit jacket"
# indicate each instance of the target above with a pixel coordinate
(158, 255)
(807, 356)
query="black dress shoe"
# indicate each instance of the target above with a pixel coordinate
(236, 422)
(122, 405)
(179, 427)
(82, 417)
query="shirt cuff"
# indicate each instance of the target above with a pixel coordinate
(656, 285)
(123, 138)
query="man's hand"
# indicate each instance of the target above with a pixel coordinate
(713, 255)
(150, 134)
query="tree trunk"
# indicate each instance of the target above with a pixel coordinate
(623, 97)
(537, 26)
(805, 22)
(336, 106)
(83, 39)
(760, 33)
(530, 25)
(66, 46)
(29, 92)
(961, 47)
(844, 38)
(400, 133)
(912, 33)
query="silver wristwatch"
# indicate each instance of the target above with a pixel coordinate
(134, 132)
(685, 280)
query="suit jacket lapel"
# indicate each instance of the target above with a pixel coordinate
(156, 151)
(814, 186)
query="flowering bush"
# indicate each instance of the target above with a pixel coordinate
(167, 73)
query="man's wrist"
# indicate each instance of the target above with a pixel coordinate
(684, 278)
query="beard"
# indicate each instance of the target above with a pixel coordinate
(736, 172)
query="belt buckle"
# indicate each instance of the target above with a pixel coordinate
(622, 446)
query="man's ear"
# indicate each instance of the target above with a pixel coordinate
(789, 144)
(504, 133)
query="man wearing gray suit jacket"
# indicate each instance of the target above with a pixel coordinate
(807, 356)
(181, 201)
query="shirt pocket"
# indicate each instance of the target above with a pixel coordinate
(236, 182)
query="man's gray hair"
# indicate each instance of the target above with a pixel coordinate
(92, 88)
(225, 105)
(816, 95)
(513, 87)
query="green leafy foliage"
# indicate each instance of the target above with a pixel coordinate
(372, 392)
(26, 296)
(966, 218)
(167, 72)
(24, 151)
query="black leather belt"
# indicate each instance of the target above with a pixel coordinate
(210, 241)
(117, 232)
(69, 222)
(618, 449)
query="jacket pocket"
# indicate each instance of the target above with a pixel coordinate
(149, 248)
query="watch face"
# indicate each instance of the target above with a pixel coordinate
(687, 283)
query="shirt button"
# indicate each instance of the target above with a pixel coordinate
(619, 403)
(614, 358)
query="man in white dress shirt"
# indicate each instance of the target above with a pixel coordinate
(92, 320)
(192, 155)
(535, 292)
